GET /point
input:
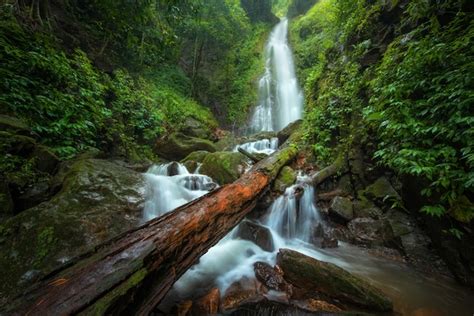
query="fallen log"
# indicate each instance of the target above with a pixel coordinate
(339, 166)
(132, 273)
(248, 154)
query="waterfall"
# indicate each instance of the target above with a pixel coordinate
(266, 146)
(172, 185)
(280, 98)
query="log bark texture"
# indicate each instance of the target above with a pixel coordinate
(339, 166)
(132, 273)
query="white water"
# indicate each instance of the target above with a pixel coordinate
(290, 220)
(172, 185)
(266, 146)
(280, 98)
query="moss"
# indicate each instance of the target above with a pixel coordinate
(102, 305)
(286, 178)
(223, 166)
(44, 243)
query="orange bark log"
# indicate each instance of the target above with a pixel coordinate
(132, 273)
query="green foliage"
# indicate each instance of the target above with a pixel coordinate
(413, 98)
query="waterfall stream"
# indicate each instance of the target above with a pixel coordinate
(292, 217)
(280, 98)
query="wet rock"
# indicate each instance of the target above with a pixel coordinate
(183, 309)
(257, 234)
(344, 185)
(341, 209)
(285, 179)
(314, 275)
(370, 232)
(177, 146)
(365, 208)
(45, 159)
(223, 166)
(381, 192)
(285, 133)
(312, 305)
(240, 293)
(97, 200)
(329, 242)
(208, 304)
(33, 195)
(272, 278)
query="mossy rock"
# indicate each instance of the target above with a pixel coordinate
(224, 166)
(381, 192)
(313, 275)
(365, 208)
(192, 161)
(341, 209)
(177, 146)
(285, 179)
(195, 128)
(97, 201)
(285, 133)
(15, 126)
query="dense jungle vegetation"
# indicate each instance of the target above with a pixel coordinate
(388, 94)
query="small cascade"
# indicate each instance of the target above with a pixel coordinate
(266, 146)
(280, 97)
(294, 214)
(172, 185)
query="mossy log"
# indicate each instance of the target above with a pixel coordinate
(132, 273)
(248, 154)
(339, 166)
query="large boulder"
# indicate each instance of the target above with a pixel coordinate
(257, 234)
(224, 166)
(195, 128)
(370, 232)
(177, 146)
(97, 200)
(242, 292)
(381, 192)
(327, 278)
(341, 209)
(272, 278)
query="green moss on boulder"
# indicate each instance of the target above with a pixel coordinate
(313, 275)
(96, 201)
(177, 146)
(224, 166)
(285, 179)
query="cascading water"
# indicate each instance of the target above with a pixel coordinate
(172, 185)
(266, 146)
(280, 98)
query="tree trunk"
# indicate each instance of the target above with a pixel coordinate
(132, 273)
(339, 166)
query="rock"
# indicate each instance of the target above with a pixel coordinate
(381, 191)
(285, 179)
(314, 306)
(6, 201)
(285, 133)
(223, 166)
(208, 304)
(32, 196)
(272, 278)
(45, 159)
(257, 234)
(194, 128)
(341, 209)
(329, 242)
(17, 145)
(344, 185)
(15, 126)
(183, 309)
(177, 146)
(245, 291)
(192, 161)
(96, 201)
(314, 275)
(365, 208)
(370, 232)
